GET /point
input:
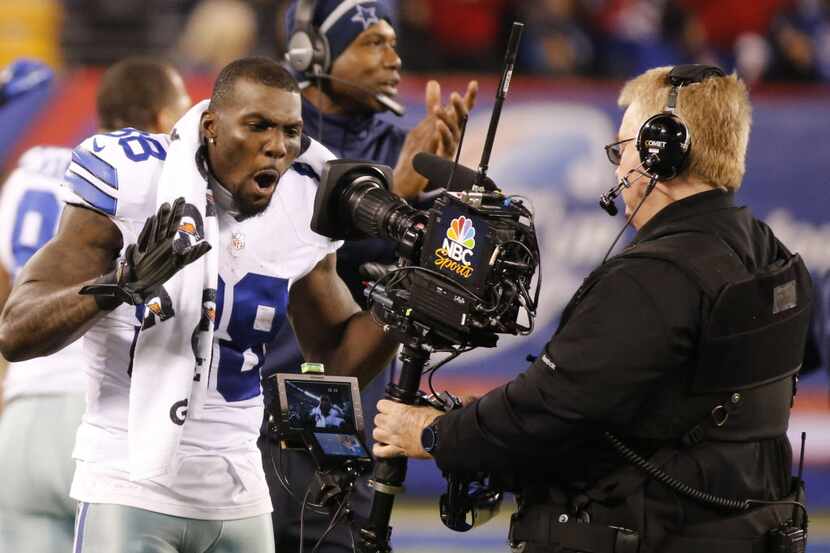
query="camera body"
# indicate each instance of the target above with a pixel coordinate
(466, 263)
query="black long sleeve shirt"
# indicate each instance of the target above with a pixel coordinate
(633, 334)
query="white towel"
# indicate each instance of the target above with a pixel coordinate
(172, 354)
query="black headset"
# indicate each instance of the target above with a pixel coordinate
(664, 140)
(308, 49)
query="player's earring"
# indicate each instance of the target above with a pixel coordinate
(211, 140)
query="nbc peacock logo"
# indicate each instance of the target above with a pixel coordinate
(457, 248)
(463, 232)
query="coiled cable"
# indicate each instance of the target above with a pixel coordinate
(694, 494)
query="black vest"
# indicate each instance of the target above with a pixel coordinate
(752, 338)
(739, 389)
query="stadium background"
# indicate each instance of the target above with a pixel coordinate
(560, 112)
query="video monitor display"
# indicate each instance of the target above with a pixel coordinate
(340, 445)
(320, 402)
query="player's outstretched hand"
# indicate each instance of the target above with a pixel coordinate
(157, 255)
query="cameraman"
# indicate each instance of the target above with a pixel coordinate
(632, 361)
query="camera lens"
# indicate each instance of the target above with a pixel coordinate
(376, 211)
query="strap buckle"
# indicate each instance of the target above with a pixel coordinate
(627, 541)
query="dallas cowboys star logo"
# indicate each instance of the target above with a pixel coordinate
(366, 16)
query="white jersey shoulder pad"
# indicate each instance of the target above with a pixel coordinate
(116, 173)
(298, 187)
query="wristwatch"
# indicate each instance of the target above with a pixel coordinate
(429, 437)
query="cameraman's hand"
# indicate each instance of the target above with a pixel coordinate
(150, 262)
(437, 133)
(398, 429)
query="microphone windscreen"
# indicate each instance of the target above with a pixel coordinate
(437, 170)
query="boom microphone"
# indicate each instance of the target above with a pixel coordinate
(438, 171)
(606, 201)
(386, 101)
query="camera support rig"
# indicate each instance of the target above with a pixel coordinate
(420, 338)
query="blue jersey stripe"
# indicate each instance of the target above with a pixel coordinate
(80, 527)
(306, 170)
(91, 193)
(96, 166)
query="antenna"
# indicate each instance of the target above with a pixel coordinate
(796, 512)
(458, 151)
(501, 93)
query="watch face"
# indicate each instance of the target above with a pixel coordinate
(428, 439)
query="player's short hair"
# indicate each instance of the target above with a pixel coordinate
(717, 113)
(133, 92)
(254, 69)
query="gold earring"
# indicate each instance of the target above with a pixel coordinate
(211, 140)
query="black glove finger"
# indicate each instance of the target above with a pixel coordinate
(163, 218)
(129, 256)
(146, 232)
(175, 217)
(191, 254)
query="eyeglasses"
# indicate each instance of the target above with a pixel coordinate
(614, 151)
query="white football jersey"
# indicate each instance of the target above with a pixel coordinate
(217, 470)
(30, 207)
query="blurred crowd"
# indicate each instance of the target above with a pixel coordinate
(764, 40)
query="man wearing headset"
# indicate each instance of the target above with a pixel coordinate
(344, 52)
(660, 406)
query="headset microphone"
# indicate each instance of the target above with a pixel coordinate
(606, 201)
(384, 100)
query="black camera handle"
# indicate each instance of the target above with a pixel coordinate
(389, 474)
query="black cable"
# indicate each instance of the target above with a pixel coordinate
(286, 485)
(319, 109)
(650, 187)
(433, 370)
(683, 489)
(795, 504)
(302, 512)
(331, 526)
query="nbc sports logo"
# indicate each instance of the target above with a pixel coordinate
(457, 248)
(460, 240)
(463, 232)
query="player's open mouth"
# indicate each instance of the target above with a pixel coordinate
(266, 178)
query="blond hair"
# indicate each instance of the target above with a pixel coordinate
(717, 113)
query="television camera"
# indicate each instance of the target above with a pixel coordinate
(464, 276)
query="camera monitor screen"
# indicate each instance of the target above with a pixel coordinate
(340, 445)
(319, 402)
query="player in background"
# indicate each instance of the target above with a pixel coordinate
(327, 415)
(44, 397)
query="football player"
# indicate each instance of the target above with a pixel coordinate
(262, 174)
(44, 397)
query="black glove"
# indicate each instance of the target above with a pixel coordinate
(148, 263)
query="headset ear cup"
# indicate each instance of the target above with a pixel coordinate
(322, 53)
(663, 143)
(300, 52)
(308, 50)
